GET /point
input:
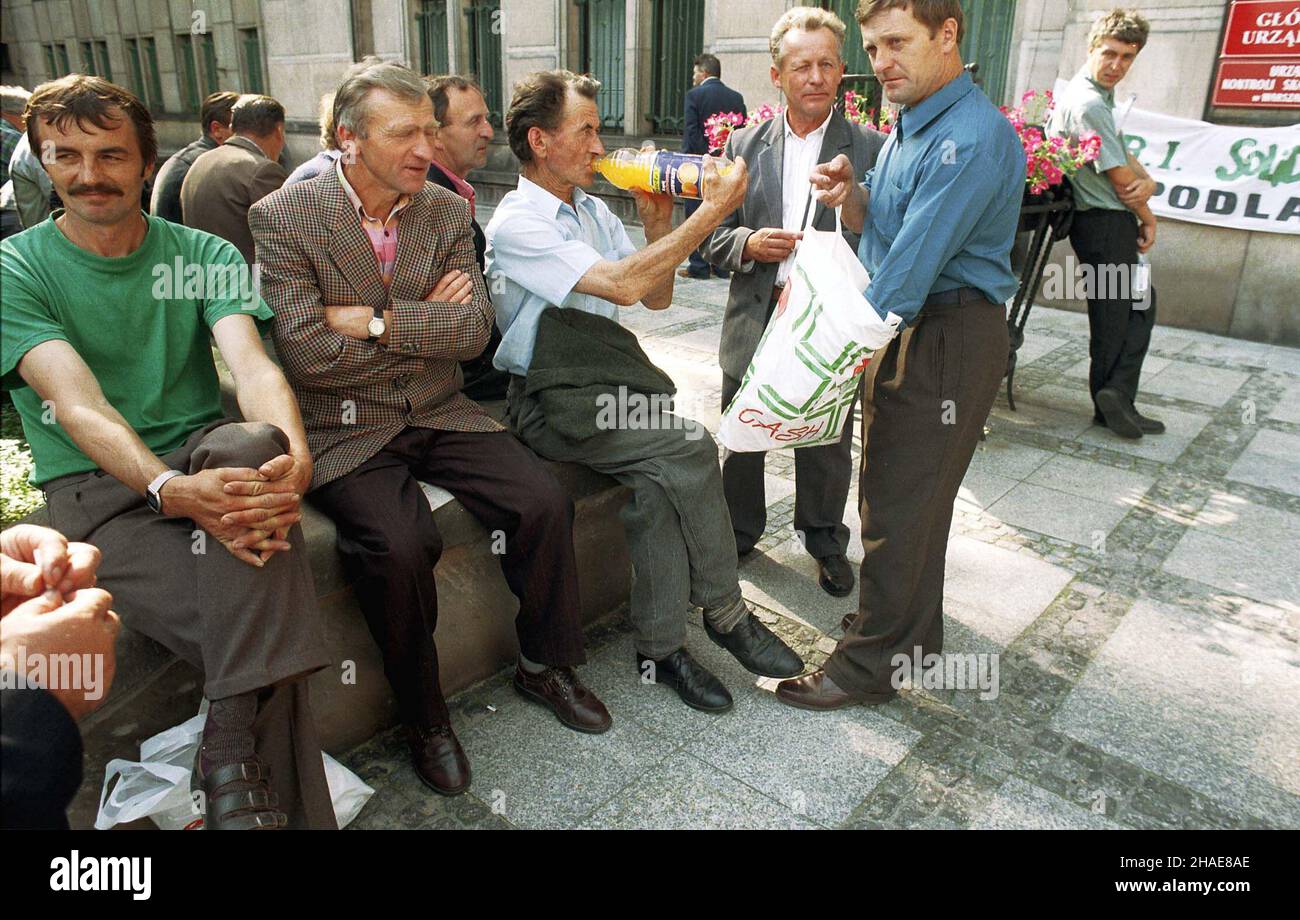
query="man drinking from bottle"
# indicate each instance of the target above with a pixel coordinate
(938, 215)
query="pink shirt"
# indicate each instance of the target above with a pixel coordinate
(463, 188)
(382, 233)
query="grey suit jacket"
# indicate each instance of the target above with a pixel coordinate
(223, 184)
(748, 302)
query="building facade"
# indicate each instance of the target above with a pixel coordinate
(173, 52)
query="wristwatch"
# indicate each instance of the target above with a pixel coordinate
(377, 325)
(152, 494)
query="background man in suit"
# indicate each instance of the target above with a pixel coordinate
(706, 98)
(460, 145)
(757, 243)
(376, 294)
(165, 201)
(223, 183)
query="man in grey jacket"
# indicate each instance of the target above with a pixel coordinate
(165, 200)
(757, 244)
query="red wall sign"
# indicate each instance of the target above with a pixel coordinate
(1262, 28)
(1271, 84)
(1259, 66)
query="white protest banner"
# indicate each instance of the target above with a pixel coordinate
(1222, 175)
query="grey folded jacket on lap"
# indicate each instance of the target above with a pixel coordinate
(578, 357)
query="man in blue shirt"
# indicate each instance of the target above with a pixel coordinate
(938, 216)
(551, 245)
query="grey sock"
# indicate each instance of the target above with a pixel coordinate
(727, 617)
(531, 667)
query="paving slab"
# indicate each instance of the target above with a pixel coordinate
(1210, 386)
(1024, 806)
(994, 618)
(1058, 514)
(1096, 481)
(1271, 460)
(1181, 429)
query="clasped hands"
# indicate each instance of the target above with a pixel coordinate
(353, 319)
(249, 511)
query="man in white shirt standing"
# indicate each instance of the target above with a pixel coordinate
(757, 244)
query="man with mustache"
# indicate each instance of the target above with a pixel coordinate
(370, 270)
(110, 365)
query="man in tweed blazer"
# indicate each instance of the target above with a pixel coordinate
(372, 316)
(756, 243)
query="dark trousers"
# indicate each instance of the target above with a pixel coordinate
(390, 545)
(925, 398)
(697, 264)
(821, 488)
(1120, 335)
(246, 628)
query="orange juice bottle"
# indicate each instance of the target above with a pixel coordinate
(661, 172)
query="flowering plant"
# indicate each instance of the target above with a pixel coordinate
(856, 111)
(717, 128)
(1048, 160)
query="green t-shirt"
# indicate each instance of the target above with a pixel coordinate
(1085, 107)
(140, 322)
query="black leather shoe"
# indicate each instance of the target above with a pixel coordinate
(835, 575)
(438, 758)
(758, 648)
(721, 273)
(1149, 425)
(560, 690)
(1118, 412)
(694, 683)
(847, 623)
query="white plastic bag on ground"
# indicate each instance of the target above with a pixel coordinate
(157, 786)
(800, 384)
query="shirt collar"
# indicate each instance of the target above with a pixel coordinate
(789, 132)
(1107, 94)
(914, 118)
(358, 207)
(549, 204)
(463, 188)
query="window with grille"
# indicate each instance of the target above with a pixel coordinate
(252, 51)
(431, 28)
(65, 66)
(189, 82)
(601, 31)
(88, 59)
(678, 30)
(484, 18)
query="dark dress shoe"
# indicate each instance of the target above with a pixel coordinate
(694, 683)
(757, 648)
(237, 796)
(1118, 413)
(438, 758)
(835, 575)
(815, 691)
(1149, 425)
(721, 273)
(687, 273)
(847, 623)
(559, 690)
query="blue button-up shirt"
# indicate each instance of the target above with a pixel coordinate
(945, 202)
(538, 249)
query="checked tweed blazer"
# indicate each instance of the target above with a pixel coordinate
(355, 395)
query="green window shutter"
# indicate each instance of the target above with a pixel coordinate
(431, 26)
(987, 42)
(678, 30)
(65, 67)
(855, 59)
(101, 54)
(88, 59)
(155, 77)
(485, 54)
(185, 73)
(137, 75)
(252, 61)
(211, 79)
(50, 64)
(601, 34)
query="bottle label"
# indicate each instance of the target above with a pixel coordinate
(678, 174)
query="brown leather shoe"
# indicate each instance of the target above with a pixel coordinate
(438, 758)
(815, 691)
(559, 690)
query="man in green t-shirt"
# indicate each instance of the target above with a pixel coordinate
(1112, 224)
(107, 314)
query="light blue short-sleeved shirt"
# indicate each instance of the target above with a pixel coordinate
(538, 249)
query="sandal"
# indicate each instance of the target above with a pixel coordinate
(237, 798)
